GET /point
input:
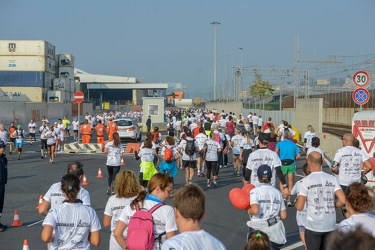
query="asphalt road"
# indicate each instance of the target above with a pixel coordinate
(32, 176)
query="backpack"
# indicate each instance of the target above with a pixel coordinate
(168, 155)
(141, 229)
(156, 137)
(170, 128)
(21, 132)
(190, 147)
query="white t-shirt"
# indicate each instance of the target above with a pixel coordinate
(193, 240)
(114, 208)
(146, 154)
(319, 189)
(300, 215)
(62, 129)
(52, 139)
(222, 123)
(182, 145)
(164, 219)
(72, 217)
(255, 120)
(56, 197)
(260, 121)
(178, 125)
(75, 125)
(270, 202)
(350, 159)
(308, 136)
(212, 147)
(19, 134)
(201, 139)
(114, 154)
(43, 130)
(237, 140)
(260, 157)
(245, 145)
(366, 220)
(32, 127)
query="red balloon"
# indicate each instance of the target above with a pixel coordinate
(372, 160)
(239, 198)
(247, 188)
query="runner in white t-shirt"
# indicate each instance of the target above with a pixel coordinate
(126, 189)
(32, 130)
(211, 149)
(114, 151)
(60, 222)
(236, 149)
(75, 125)
(318, 191)
(160, 187)
(201, 138)
(191, 235)
(309, 134)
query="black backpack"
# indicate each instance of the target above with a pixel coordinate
(190, 147)
(170, 128)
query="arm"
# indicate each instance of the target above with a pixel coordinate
(341, 198)
(367, 166)
(107, 220)
(117, 233)
(44, 208)
(298, 156)
(277, 150)
(136, 156)
(301, 200)
(283, 214)
(47, 235)
(170, 234)
(94, 238)
(247, 176)
(254, 209)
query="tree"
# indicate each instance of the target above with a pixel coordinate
(261, 89)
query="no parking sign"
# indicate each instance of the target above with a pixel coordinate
(361, 96)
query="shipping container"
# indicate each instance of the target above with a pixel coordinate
(58, 96)
(27, 48)
(66, 60)
(27, 63)
(21, 94)
(66, 72)
(30, 79)
(183, 102)
(59, 84)
(49, 80)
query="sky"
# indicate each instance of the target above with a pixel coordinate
(172, 41)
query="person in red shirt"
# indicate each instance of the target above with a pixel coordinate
(111, 128)
(86, 132)
(100, 133)
(265, 125)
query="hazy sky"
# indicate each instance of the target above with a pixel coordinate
(172, 41)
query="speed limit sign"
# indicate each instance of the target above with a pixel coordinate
(361, 78)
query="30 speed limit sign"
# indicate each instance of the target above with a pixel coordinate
(361, 78)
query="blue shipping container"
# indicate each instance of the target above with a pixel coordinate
(22, 78)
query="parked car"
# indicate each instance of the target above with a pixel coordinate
(128, 129)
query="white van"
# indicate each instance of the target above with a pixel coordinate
(363, 129)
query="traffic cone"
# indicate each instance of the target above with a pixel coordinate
(85, 182)
(16, 220)
(99, 173)
(40, 201)
(25, 245)
(122, 162)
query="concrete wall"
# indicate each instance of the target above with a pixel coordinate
(309, 112)
(329, 144)
(276, 115)
(153, 106)
(338, 115)
(234, 107)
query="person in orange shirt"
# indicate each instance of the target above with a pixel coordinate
(111, 128)
(100, 133)
(86, 131)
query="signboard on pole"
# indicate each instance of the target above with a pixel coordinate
(361, 78)
(361, 96)
(78, 97)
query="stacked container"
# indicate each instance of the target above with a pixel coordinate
(27, 70)
(63, 85)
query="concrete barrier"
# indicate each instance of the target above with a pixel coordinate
(82, 148)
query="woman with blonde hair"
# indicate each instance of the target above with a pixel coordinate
(160, 188)
(126, 188)
(309, 134)
(114, 151)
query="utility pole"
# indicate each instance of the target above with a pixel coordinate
(215, 24)
(241, 81)
(296, 84)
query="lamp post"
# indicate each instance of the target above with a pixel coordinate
(215, 24)
(240, 87)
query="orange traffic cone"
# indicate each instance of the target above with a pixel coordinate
(122, 162)
(99, 173)
(40, 201)
(16, 221)
(85, 182)
(25, 245)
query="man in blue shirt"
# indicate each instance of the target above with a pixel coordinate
(288, 152)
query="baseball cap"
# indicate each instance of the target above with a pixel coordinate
(2, 144)
(55, 123)
(264, 172)
(19, 126)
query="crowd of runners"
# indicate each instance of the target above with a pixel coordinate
(199, 143)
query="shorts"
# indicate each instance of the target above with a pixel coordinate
(251, 124)
(67, 129)
(75, 131)
(32, 135)
(19, 144)
(289, 169)
(259, 127)
(199, 153)
(50, 145)
(189, 164)
(12, 139)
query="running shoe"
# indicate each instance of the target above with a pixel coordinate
(202, 173)
(42, 156)
(19, 158)
(31, 143)
(52, 161)
(2, 227)
(109, 191)
(238, 174)
(215, 183)
(190, 181)
(209, 184)
(199, 174)
(220, 166)
(225, 166)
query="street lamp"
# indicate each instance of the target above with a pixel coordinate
(215, 24)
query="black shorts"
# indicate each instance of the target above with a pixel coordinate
(189, 164)
(251, 124)
(75, 131)
(32, 135)
(12, 139)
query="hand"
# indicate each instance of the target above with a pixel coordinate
(285, 192)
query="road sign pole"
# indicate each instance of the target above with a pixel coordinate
(79, 125)
(360, 107)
